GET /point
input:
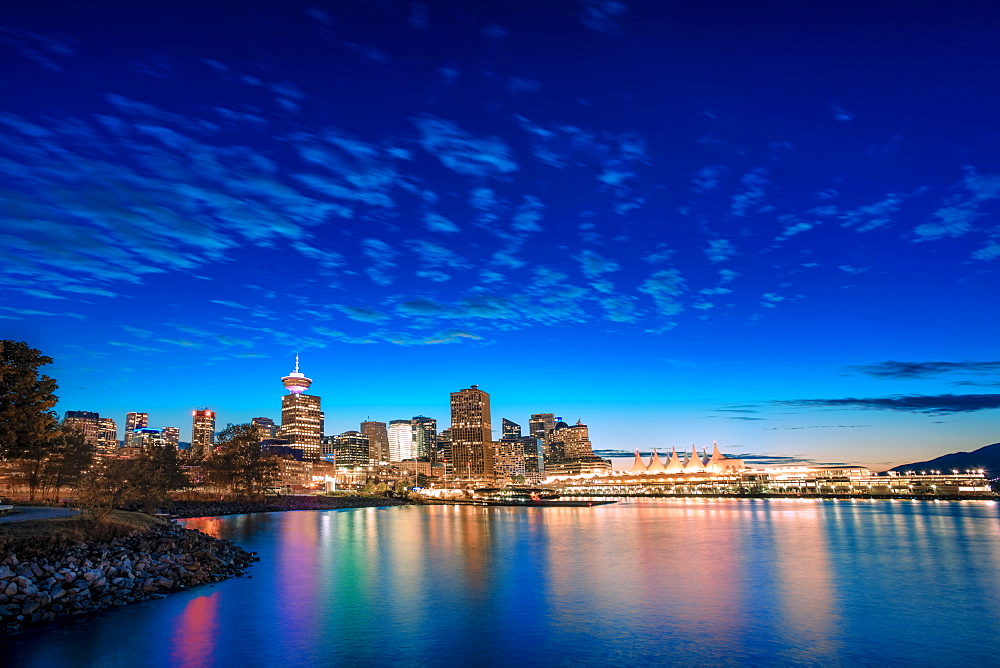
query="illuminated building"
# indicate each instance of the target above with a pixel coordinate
(378, 439)
(266, 426)
(540, 425)
(172, 436)
(107, 436)
(350, 448)
(471, 437)
(202, 432)
(401, 445)
(301, 418)
(444, 446)
(147, 438)
(509, 429)
(508, 460)
(85, 422)
(654, 463)
(134, 421)
(425, 437)
(571, 453)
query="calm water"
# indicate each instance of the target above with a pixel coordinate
(680, 581)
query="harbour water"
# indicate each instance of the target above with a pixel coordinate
(707, 582)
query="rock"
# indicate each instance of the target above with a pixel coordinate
(5, 572)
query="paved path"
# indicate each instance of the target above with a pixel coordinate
(22, 513)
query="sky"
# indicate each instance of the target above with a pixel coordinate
(771, 225)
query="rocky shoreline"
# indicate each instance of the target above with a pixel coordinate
(87, 578)
(281, 503)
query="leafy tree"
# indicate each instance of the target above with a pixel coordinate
(369, 487)
(68, 457)
(239, 464)
(145, 480)
(27, 422)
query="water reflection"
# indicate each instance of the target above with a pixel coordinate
(716, 581)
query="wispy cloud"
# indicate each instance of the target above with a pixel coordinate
(941, 404)
(894, 369)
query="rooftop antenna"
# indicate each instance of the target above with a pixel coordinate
(296, 362)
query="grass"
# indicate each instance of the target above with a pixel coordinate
(33, 539)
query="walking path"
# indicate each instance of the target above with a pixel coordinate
(22, 513)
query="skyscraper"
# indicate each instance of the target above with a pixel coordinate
(172, 436)
(351, 448)
(471, 438)
(378, 439)
(134, 421)
(570, 451)
(301, 418)
(202, 432)
(510, 429)
(540, 426)
(266, 426)
(401, 444)
(87, 423)
(107, 436)
(425, 437)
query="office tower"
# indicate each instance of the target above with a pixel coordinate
(147, 438)
(425, 437)
(202, 432)
(85, 422)
(107, 436)
(378, 439)
(301, 418)
(172, 436)
(540, 426)
(508, 462)
(266, 426)
(570, 451)
(471, 438)
(134, 421)
(444, 447)
(534, 459)
(401, 444)
(351, 448)
(510, 429)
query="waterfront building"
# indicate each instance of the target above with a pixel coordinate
(570, 451)
(655, 465)
(202, 432)
(107, 436)
(444, 447)
(401, 445)
(350, 448)
(508, 460)
(301, 417)
(266, 426)
(378, 439)
(85, 422)
(540, 425)
(509, 429)
(675, 464)
(638, 466)
(694, 462)
(172, 436)
(471, 434)
(425, 437)
(134, 421)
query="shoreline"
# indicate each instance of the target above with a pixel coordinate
(193, 509)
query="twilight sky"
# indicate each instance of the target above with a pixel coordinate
(775, 226)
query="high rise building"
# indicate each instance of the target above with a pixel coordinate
(202, 432)
(540, 426)
(172, 436)
(471, 437)
(107, 436)
(301, 418)
(87, 423)
(378, 438)
(147, 438)
(351, 448)
(134, 421)
(510, 429)
(444, 448)
(508, 462)
(268, 429)
(425, 437)
(401, 445)
(570, 451)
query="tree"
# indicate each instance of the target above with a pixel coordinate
(69, 455)
(239, 464)
(26, 399)
(145, 480)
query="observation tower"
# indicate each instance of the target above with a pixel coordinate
(296, 381)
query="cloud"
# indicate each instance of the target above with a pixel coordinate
(708, 178)
(941, 404)
(362, 314)
(720, 250)
(602, 16)
(382, 257)
(438, 223)
(961, 210)
(664, 287)
(528, 215)
(463, 153)
(593, 265)
(894, 369)
(872, 216)
(820, 426)
(754, 183)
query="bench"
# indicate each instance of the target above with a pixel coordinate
(5, 509)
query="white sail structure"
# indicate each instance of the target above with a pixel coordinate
(637, 466)
(720, 462)
(655, 465)
(694, 462)
(675, 464)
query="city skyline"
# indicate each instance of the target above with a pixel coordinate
(775, 228)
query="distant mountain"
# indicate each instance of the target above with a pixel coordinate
(986, 457)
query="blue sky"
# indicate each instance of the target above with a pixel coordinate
(775, 227)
